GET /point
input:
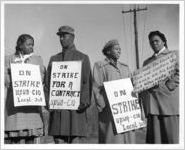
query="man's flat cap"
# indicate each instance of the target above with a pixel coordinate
(65, 29)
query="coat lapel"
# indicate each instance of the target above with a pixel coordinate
(166, 51)
(153, 57)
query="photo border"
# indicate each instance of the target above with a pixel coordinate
(98, 146)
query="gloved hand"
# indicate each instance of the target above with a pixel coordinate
(173, 81)
(82, 107)
(171, 84)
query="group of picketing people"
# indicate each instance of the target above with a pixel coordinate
(160, 103)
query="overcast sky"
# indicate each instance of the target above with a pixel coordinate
(94, 25)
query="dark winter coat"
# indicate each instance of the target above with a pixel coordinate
(70, 122)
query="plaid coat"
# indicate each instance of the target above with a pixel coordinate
(20, 118)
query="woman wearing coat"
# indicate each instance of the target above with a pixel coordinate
(23, 124)
(108, 70)
(161, 102)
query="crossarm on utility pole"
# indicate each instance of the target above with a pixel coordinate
(135, 31)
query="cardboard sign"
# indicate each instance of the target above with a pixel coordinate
(27, 85)
(65, 85)
(155, 72)
(124, 105)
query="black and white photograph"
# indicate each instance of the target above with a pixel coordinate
(92, 74)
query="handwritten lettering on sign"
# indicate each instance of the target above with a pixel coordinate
(27, 85)
(124, 105)
(65, 85)
(155, 72)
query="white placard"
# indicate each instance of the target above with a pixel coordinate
(27, 85)
(155, 72)
(65, 85)
(124, 105)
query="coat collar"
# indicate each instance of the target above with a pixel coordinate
(109, 61)
(156, 54)
(163, 52)
(22, 58)
(153, 57)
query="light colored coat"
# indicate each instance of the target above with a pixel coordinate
(107, 71)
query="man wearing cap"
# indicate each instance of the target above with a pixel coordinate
(70, 126)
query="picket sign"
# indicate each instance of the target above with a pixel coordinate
(27, 85)
(65, 85)
(124, 105)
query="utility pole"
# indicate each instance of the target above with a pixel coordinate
(135, 31)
